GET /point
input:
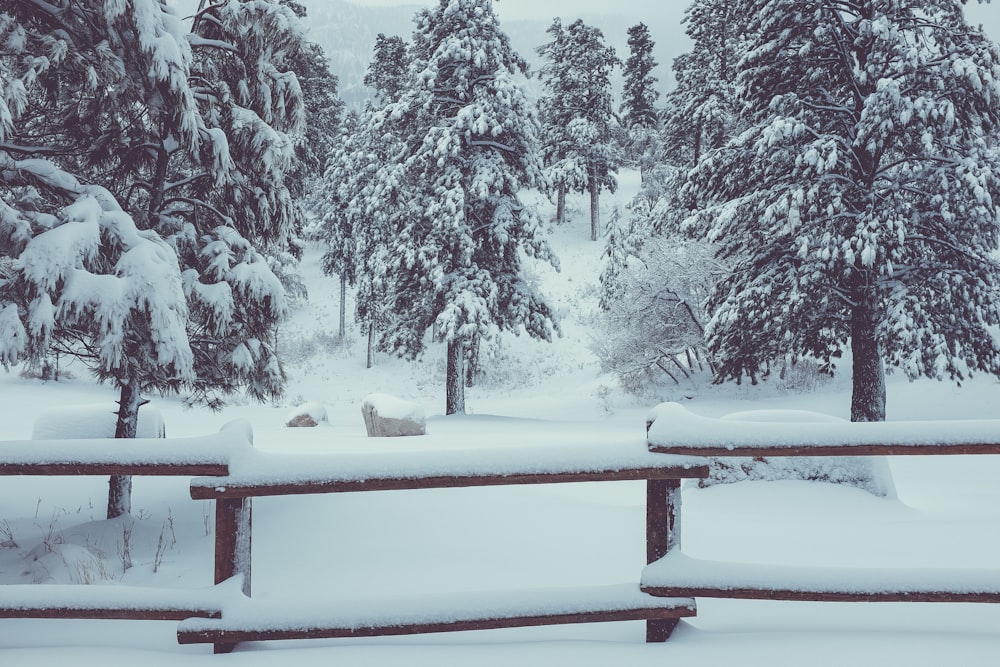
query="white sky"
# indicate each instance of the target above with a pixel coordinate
(674, 44)
(988, 15)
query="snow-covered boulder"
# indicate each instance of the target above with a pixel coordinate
(307, 415)
(93, 420)
(389, 416)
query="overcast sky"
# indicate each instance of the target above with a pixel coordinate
(671, 45)
(986, 14)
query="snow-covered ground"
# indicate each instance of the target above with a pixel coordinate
(327, 550)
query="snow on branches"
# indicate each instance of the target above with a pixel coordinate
(860, 202)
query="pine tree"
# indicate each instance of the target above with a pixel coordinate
(355, 244)
(639, 95)
(450, 197)
(239, 213)
(87, 81)
(577, 114)
(191, 179)
(860, 204)
(387, 71)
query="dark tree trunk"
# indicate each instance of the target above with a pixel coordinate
(595, 201)
(868, 396)
(473, 367)
(342, 331)
(455, 378)
(371, 345)
(120, 486)
(561, 205)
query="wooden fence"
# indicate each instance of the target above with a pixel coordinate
(230, 472)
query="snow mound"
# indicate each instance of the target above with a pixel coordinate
(93, 420)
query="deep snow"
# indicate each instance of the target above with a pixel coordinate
(328, 550)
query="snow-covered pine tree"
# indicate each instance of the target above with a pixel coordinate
(351, 224)
(82, 82)
(323, 111)
(703, 109)
(451, 197)
(239, 213)
(387, 72)
(565, 171)
(638, 91)
(577, 113)
(639, 114)
(859, 208)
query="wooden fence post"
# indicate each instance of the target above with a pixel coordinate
(663, 532)
(233, 537)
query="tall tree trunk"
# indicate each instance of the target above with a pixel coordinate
(120, 486)
(868, 396)
(343, 308)
(595, 201)
(371, 345)
(561, 205)
(158, 183)
(455, 378)
(473, 365)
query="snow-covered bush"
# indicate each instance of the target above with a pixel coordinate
(652, 324)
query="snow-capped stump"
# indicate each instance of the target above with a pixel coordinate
(389, 416)
(93, 420)
(307, 415)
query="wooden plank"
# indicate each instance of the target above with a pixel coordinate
(107, 602)
(822, 596)
(677, 574)
(209, 489)
(149, 469)
(106, 613)
(864, 449)
(230, 636)
(233, 541)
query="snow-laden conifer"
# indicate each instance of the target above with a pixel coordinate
(84, 276)
(638, 92)
(450, 196)
(859, 209)
(577, 115)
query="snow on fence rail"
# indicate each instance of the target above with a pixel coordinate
(229, 471)
(673, 429)
(234, 473)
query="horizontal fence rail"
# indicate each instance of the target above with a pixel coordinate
(227, 469)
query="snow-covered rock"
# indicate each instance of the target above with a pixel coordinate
(307, 415)
(389, 416)
(93, 420)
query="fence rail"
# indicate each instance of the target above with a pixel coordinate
(229, 471)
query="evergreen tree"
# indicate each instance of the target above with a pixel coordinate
(84, 83)
(173, 126)
(355, 243)
(450, 197)
(639, 95)
(578, 114)
(239, 213)
(388, 69)
(860, 204)
(703, 109)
